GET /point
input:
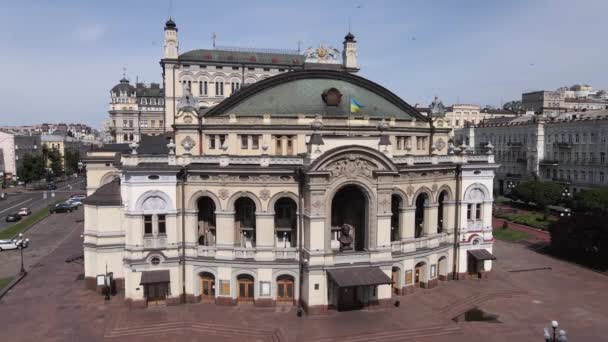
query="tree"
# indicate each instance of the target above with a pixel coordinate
(53, 160)
(514, 106)
(72, 157)
(593, 201)
(540, 193)
(32, 168)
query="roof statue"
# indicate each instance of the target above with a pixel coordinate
(322, 54)
(437, 108)
(187, 100)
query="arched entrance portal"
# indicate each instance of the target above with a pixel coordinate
(207, 286)
(285, 289)
(245, 222)
(245, 288)
(420, 277)
(350, 206)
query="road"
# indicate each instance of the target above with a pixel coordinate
(34, 200)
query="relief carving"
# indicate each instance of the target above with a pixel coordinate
(265, 194)
(351, 166)
(224, 193)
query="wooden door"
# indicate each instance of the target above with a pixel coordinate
(207, 288)
(285, 291)
(395, 278)
(156, 293)
(245, 290)
(348, 298)
(417, 275)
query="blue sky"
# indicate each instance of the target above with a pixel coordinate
(60, 58)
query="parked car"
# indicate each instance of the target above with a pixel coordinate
(13, 217)
(24, 212)
(60, 208)
(51, 186)
(10, 244)
(3, 196)
(79, 197)
(74, 204)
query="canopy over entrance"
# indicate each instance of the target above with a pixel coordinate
(359, 276)
(154, 277)
(481, 254)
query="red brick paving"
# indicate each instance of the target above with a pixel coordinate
(50, 304)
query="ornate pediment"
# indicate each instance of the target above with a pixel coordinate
(351, 166)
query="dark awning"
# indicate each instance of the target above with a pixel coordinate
(481, 254)
(152, 277)
(359, 276)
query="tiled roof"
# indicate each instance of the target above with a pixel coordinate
(106, 195)
(254, 57)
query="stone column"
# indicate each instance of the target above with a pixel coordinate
(225, 233)
(407, 216)
(429, 226)
(264, 235)
(449, 216)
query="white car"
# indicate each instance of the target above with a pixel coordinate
(24, 212)
(7, 244)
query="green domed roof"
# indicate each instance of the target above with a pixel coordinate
(301, 92)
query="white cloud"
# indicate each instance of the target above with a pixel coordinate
(89, 34)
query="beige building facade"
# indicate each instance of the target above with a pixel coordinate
(281, 194)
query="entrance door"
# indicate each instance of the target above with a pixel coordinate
(417, 275)
(348, 299)
(285, 290)
(156, 293)
(395, 279)
(207, 288)
(245, 284)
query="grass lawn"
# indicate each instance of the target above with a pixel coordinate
(5, 281)
(510, 234)
(20, 226)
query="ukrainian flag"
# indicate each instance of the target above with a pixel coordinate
(355, 106)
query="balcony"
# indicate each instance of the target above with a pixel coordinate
(548, 162)
(515, 144)
(289, 253)
(562, 145)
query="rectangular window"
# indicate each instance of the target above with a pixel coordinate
(289, 146)
(160, 123)
(200, 87)
(478, 211)
(281, 70)
(235, 68)
(162, 227)
(602, 157)
(148, 224)
(211, 142)
(152, 123)
(266, 69)
(255, 142)
(124, 123)
(130, 123)
(469, 211)
(251, 69)
(222, 140)
(279, 145)
(219, 88)
(244, 142)
(205, 88)
(219, 67)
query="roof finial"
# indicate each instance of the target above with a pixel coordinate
(124, 72)
(213, 37)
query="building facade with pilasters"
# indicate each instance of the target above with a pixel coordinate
(283, 194)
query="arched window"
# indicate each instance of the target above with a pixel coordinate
(421, 202)
(441, 219)
(154, 218)
(349, 219)
(245, 221)
(396, 225)
(285, 222)
(206, 221)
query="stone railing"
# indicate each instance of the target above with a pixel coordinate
(157, 242)
(206, 251)
(286, 253)
(244, 253)
(351, 257)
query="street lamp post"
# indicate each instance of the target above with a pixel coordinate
(21, 243)
(554, 335)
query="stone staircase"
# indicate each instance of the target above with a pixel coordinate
(461, 305)
(236, 332)
(397, 334)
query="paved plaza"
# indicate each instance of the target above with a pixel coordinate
(526, 290)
